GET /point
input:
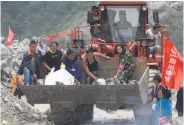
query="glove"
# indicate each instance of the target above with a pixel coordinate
(121, 67)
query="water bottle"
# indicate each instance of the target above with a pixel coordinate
(52, 70)
(62, 66)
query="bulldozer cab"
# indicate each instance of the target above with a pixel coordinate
(123, 21)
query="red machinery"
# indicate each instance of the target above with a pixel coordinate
(136, 14)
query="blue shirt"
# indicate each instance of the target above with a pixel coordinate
(73, 68)
(163, 109)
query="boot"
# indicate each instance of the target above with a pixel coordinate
(147, 53)
(153, 55)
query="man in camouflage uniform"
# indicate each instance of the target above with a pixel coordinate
(126, 67)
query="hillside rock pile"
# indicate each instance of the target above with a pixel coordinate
(13, 110)
(18, 111)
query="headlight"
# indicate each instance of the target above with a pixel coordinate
(102, 8)
(144, 8)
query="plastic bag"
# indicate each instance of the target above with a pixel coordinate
(61, 76)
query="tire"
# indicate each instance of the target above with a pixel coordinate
(84, 113)
(60, 116)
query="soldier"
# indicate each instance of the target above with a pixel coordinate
(126, 67)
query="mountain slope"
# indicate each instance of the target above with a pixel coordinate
(35, 18)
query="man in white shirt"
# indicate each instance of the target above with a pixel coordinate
(155, 35)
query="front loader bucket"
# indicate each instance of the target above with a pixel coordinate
(109, 96)
(108, 68)
(104, 96)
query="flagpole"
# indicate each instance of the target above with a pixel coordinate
(163, 53)
(164, 36)
(162, 49)
(162, 69)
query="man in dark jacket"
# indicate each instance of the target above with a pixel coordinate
(179, 103)
(30, 65)
(157, 88)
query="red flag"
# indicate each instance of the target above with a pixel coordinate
(10, 38)
(172, 75)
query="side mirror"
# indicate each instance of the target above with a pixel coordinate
(155, 17)
(90, 17)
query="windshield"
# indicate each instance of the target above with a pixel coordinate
(120, 23)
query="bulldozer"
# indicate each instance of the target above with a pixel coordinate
(73, 104)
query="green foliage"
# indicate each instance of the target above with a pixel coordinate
(42, 18)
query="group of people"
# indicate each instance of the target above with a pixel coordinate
(162, 106)
(83, 69)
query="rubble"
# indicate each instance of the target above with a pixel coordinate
(36, 116)
(5, 52)
(112, 81)
(19, 107)
(18, 111)
(5, 99)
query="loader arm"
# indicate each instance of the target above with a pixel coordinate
(60, 35)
